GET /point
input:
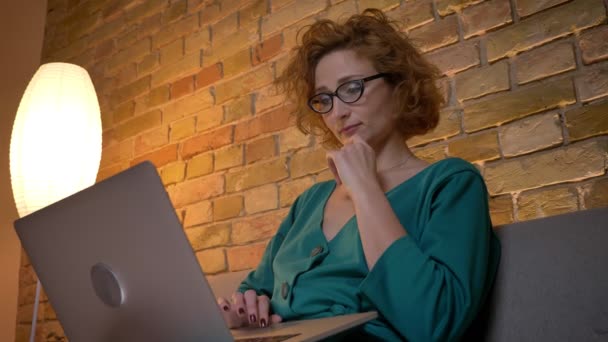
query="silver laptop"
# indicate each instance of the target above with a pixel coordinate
(117, 266)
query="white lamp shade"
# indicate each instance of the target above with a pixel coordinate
(56, 140)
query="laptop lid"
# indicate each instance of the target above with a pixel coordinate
(116, 265)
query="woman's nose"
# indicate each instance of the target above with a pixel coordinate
(339, 109)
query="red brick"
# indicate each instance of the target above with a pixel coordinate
(227, 207)
(211, 13)
(151, 140)
(237, 63)
(132, 54)
(199, 165)
(105, 49)
(272, 121)
(207, 141)
(240, 40)
(144, 10)
(595, 194)
(159, 157)
(289, 14)
(209, 118)
(259, 149)
(289, 191)
(413, 14)
(445, 7)
(172, 52)
(198, 213)
(176, 10)
(224, 28)
(185, 66)
(488, 15)
(208, 237)
(256, 175)
(474, 148)
(149, 26)
(238, 109)
(175, 30)
(121, 151)
(197, 41)
(482, 81)
(244, 84)
(182, 87)
(501, 210)
(587, 121)
(183, 128)
(436, 34)
(545, 61)
(528, 7)
(130, 91)
(208, 75)
(252, 12)
(256, 228)
(229, 157)
(245, 257)
(267, 49)
(306, 162)
(123, 112)
(594, 44)
(531, 134)
(212, 260)
(593, 82)
(261, 199)
(196, 190)
(542, 203)
(339, 11)
(544, 27)
(516, 104)
(194, 103)
(138, 124)
(292, 139)
(456, 58)
(572, 163)
(173, 173)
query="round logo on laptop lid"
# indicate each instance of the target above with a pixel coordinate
(106, 285)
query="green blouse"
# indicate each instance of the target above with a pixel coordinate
(427, 286)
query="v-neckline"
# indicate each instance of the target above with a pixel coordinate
(347, 222)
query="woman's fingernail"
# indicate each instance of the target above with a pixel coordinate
(241, 311)
(263, 323)
(226, 308)
(252, 318)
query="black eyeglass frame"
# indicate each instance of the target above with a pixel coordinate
(335, 93)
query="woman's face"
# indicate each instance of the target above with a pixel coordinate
(371, 116)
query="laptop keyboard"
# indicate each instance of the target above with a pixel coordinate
(277, 338)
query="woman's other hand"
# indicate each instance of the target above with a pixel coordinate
(247, 309)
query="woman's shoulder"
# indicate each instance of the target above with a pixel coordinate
(447, 169)
(451, 166)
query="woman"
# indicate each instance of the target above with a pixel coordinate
(391, 233)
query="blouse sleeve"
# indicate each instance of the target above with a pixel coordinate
(430, 288)
(262, 278)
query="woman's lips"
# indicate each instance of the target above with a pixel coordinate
(350, 130)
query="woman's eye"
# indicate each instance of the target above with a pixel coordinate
(353, 88)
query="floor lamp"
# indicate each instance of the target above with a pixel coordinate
(55, 146)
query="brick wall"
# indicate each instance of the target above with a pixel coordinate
(186, 84)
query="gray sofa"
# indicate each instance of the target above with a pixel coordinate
(552, 284)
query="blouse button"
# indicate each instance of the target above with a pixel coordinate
(284, 290)
(316, 251)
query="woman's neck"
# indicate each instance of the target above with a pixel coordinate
(394, 153)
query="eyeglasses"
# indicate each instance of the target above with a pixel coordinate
(347, 92)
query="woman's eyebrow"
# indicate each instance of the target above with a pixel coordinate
(340, 81)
